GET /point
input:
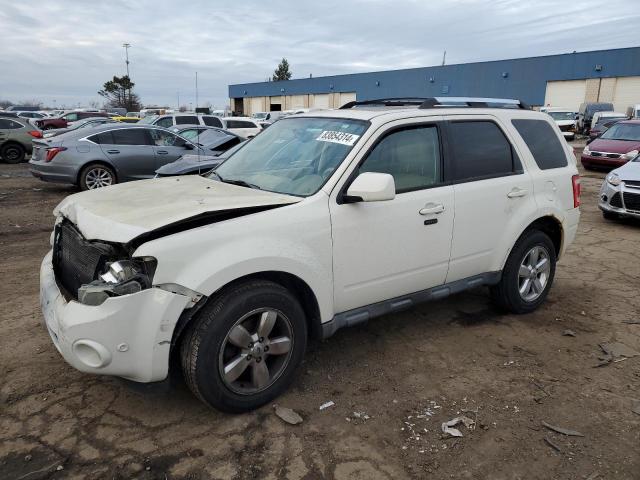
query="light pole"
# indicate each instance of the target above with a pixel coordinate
(126, 47)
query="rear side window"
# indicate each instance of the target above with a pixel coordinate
(137, 136)
(480, 150)
(212, 122)
(543, 143)
(8, 124)
(240, 124)
(104, 138)
(187, 120)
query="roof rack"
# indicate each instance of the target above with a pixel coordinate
(442, 102)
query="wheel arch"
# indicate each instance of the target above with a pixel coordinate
(552, 226)
(96, 162)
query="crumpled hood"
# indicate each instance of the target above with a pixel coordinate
(122, 212)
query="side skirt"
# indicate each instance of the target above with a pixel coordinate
(362, 315)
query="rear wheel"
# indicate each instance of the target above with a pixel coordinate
(527, 275)
(96, 175)
(12, 153)
(245, 347)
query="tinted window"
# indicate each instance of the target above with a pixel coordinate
(8, 124)
(543, 143)
(412, 156)
(165, 122)
(212, 122)
(104, 138)
(133, 136)
(187, 120)
(239, 124)
(480, 150)
(166, 139)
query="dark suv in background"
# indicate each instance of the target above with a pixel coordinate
(586, 111)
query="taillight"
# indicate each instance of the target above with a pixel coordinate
(52, 152)
(575, 182)
(35, 133)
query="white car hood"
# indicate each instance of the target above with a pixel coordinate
(122, 212)
(629, 171)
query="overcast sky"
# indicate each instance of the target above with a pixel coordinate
(62, 51)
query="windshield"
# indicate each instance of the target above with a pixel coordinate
(294, 156)
(259, 115)
(149, 119)
(563, 115)
(623, 131)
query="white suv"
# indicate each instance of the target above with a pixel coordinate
(322, 221)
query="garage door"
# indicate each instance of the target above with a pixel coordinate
(565, 94)
(346, 97)
(256, 105)
(627, 93)
(295, 101)
(320, 100)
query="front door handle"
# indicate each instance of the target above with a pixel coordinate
(517, 192)
(431, 208)
(162, 152)
(113, 151)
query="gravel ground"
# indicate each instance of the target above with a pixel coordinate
(393, 381)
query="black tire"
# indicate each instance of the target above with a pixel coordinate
(12, 153)
(84, 179)
(202, 347)
(506, 294)
(610, 215)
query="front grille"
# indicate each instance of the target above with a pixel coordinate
(632, 183)
(632, 201)
(608, 155)
(612, 155)
(596, 154)
(616, 200)
(77, 261)
(567, 128)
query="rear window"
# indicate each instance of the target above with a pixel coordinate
(543, 143)
(8, 124)
(187, 120)
(480, 151)
(104, 138)
(240, 124)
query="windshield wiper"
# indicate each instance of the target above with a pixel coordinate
(240, 183)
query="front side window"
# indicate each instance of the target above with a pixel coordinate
(166, 139)
(294, 156)
(165, 122)
(186, 120)
(133, 136)
(411, 156)
(190, 134)
(480, 150)
(543, 143)
(623, 131)
(71, 117)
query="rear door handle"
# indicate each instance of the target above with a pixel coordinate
(162, 152)
(517, 192)
(431, 208)
(113, 151)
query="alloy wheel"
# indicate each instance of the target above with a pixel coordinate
(256, 351)
(98, 177)
(533, 274)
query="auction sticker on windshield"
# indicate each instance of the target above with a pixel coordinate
(342, 138)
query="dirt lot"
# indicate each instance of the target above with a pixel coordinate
(407, 372)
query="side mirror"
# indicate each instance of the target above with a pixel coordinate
(372, 187)
(189, 146)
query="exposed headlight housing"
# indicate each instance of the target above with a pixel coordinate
(122, 277)
(630, 155)
(586, 150)
(614, 179)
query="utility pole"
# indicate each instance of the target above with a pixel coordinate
(126, 47)
(196, 89)
(444, 57)
(178, 109)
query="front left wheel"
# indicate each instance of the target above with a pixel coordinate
(245, 347)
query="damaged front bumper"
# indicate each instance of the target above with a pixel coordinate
(127, 336)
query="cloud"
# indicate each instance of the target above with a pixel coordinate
(65, 50)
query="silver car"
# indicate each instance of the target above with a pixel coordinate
(620, 192)
(108, 154)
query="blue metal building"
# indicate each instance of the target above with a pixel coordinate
(525, 78)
